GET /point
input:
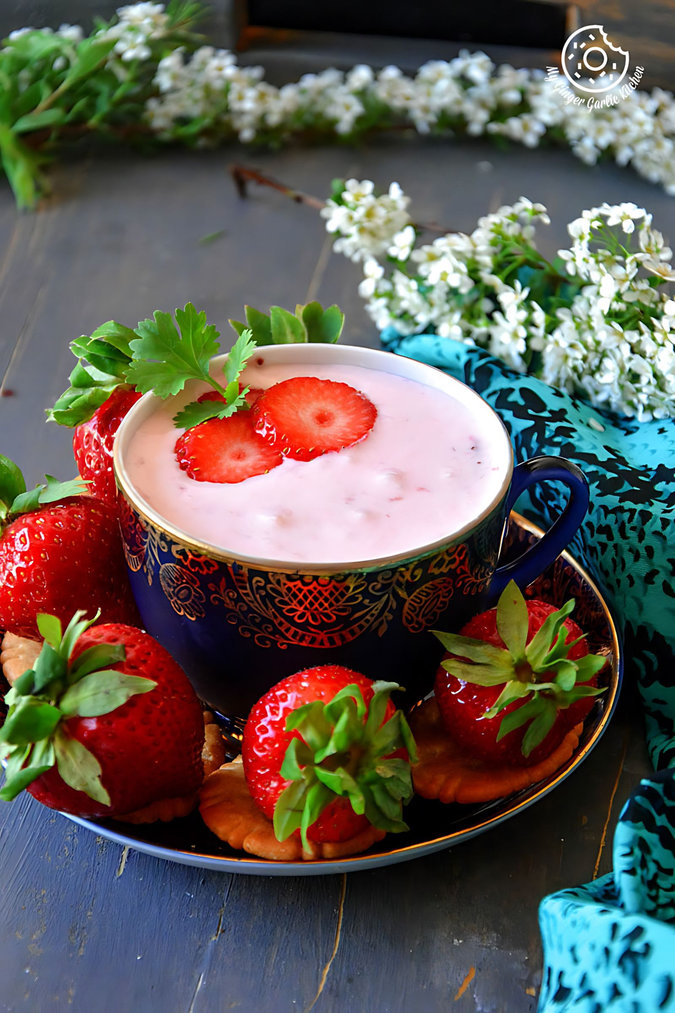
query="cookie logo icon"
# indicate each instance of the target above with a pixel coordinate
(591, 62)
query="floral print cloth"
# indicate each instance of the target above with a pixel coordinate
(608, 945)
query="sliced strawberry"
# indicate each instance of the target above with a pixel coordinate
(225, 450)
(305, 417)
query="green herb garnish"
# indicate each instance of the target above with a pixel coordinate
(163, 352)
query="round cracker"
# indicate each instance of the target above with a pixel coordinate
(231, 814)
(445, 772)
(17, 655)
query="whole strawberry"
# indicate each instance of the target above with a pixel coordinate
(326, 753)
(58, 551)
(515, 680)
(106, 723)
(93, 441)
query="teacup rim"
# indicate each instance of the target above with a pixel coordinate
(369, 357)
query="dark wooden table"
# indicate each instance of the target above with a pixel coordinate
(87, 925)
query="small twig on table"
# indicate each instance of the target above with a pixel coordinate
(242, 175)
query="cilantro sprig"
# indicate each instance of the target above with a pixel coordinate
(161, 354)
(166, 356)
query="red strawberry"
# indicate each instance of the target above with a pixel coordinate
(326, 753)
(304, 417)
(225, 450)
(105, 724)
(516, 680)
(93, 443)
(58, 552)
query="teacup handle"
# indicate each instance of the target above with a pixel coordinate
(534, 561)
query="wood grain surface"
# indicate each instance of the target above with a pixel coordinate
(86, 925)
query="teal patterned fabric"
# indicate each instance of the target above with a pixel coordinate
(609, 945)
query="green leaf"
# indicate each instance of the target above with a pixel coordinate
(164, 358)
(513, 690)
(520, 716)
(23, 686)
(29, 720)
(79, 768)
(318, 797)
(95, 659)
(288, 810)
(349, 697)
(539, 728)
(476, 650)
(12, 484)
(49, 668)
(566, 675)
(260, 324)
(378, 705)
(337, 188)
(50, 628)
(22, 168)
(18, 779)
(389, 807)
(481, 675)
(297, 757)
(103, 361)
(39, 121)
(52, 492)
(196, 412)
(238, 326)
(101, 692)
(74, 630)
(513, 620)
(546, 635)
(238, 356)
(321, 325)
(286, 328)
(311, 722)
(588, 666)
(91, 53)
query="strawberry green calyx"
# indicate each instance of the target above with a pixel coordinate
(539, 673)
(310, 323)
(15, 499)
(345, 752)
(103, 359)
(34, 736)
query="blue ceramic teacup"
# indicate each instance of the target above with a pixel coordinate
(237, 624)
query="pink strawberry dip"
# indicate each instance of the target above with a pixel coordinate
(428, 468)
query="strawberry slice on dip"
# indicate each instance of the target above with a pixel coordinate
(304, 416)
(327, 767)
(225, 450)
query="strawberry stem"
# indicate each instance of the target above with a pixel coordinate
(539, 673)
(344, 751)
(34, 736)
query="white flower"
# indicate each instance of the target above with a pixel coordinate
(73, 33)
(624, 214)
(402, 243)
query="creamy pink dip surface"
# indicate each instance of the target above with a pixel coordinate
(423, 472)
